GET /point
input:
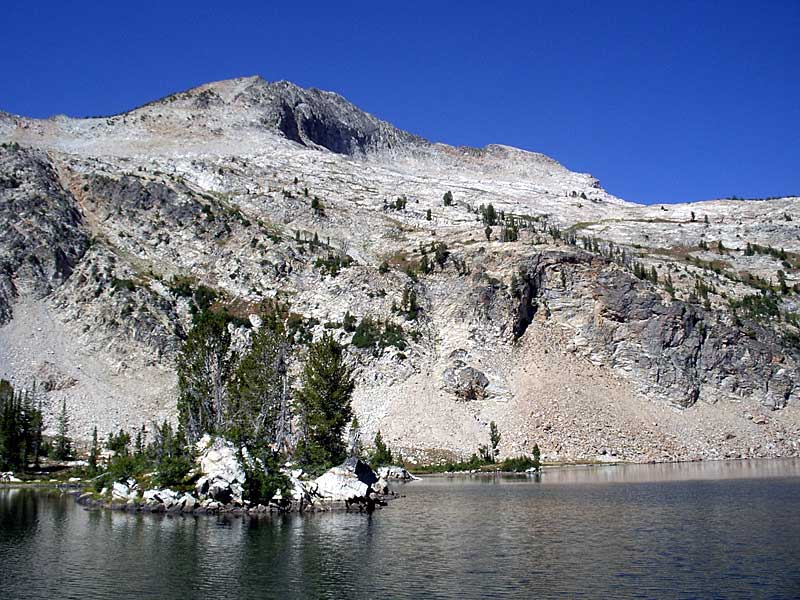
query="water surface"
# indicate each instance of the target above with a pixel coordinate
(707, 530)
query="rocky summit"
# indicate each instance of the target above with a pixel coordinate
(473, 285)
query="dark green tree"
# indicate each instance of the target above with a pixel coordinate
(382, 455)
(94, 453)
(323, 403)
(11, 427)
(348, 322)
(494, 439)
(120, 442)
(536, 456)
(62, 445)
(448, 198)
(489, 215)
(139, 444)
(169, 455)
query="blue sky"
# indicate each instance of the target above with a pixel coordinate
(661, 101)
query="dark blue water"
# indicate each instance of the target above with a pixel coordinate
(713, 530)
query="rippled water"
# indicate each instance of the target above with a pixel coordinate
(710, 530)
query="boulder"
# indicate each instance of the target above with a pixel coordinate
(350, 481)
(165, 496)
(224, 475)
(121, 491)
(395, 472)
(219, 459)
(381, 487)
(8, 477)
(467, 383)
(187, 503)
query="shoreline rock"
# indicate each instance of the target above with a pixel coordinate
(219, 490)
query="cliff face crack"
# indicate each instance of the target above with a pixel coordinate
(527, 292)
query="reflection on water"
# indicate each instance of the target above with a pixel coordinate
(732, 469)
(653, 531)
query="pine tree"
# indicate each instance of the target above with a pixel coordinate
(489, 215)
(63, 444)
(94, 453)
(138, 445)
(669, 285)
(382, 454)
(448, 198)
(323, 403)
(536, 457)
(428, 216)
(494, 439)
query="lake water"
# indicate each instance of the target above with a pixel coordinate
(704, 530)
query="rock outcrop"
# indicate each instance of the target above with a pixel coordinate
(350, 482)
(223, 473)
(42, 234)
(677, 350)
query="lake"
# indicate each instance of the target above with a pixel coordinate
(700, 530)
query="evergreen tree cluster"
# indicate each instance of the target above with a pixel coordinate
(167, 457)
(20, 428)
(249, 398)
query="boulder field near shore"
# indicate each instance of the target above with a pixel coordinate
(220, 487)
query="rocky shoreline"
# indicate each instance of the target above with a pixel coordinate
(219, 484)
(181, 507)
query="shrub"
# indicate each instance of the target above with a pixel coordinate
(519, 464)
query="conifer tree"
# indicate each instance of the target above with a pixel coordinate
(94, 453)
(494, 439)
(63, 444)
(204, 365)
(323, 403)
(382, 454)
(536, 456)
(258, 411)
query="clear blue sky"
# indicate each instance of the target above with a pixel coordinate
(662, 101)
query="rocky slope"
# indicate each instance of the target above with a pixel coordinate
(600, 328)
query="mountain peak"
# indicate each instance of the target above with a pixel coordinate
(309, 116)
